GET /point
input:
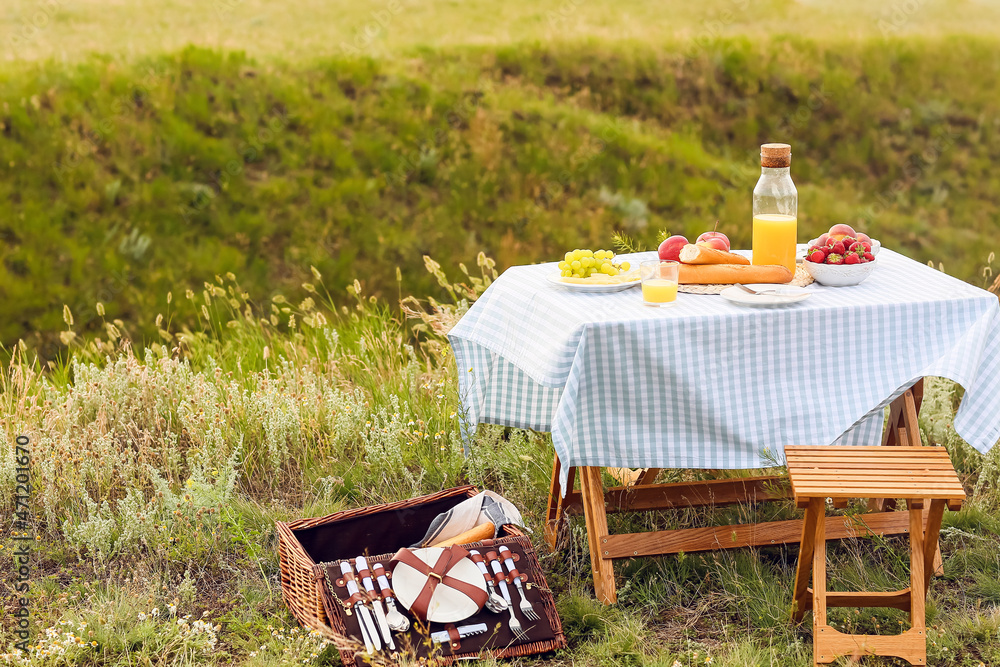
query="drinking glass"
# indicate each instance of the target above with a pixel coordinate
(659, 282)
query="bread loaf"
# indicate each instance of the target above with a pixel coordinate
(725, 274)
(698, 254)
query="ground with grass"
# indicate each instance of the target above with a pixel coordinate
(181, 221)
(158, 474)
(126, 182)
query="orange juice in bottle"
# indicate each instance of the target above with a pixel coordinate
(775, 208)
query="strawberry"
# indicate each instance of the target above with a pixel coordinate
(852, 258)
(835, 258)
(869, 257)
(867, 245)
(817, 256)
(856, 246)
(837, 248)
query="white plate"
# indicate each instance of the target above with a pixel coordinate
(788, 294)
(556, 279)
(446, 605)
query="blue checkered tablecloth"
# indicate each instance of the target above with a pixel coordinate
(710, 384)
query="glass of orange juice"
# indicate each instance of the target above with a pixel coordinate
(659, 282)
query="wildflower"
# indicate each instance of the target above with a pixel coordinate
(452, 415)
(440, 396)
(142, 616)
(155, 613)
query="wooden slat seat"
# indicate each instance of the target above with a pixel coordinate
(918, 475)
(845, 473)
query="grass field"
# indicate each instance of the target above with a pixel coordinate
(68, 30)
(203, 250)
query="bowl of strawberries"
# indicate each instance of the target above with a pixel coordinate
(841, 257)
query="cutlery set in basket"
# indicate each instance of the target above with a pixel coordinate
(350, 575)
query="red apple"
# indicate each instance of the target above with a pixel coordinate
(715, 238)
(670, 249)
(715, 243)
(841, 231)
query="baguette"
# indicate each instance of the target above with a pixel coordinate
(698, 254)
(725, 274)
(483, 531)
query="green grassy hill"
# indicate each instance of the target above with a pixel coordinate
(123, 183)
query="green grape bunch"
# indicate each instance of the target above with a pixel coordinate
(585, 263)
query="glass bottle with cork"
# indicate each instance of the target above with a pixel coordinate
(775, 208)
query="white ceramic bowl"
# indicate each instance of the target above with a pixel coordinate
(839, 275)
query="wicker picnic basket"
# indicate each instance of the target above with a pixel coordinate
(305, 545)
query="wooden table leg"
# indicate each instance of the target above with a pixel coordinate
(932, 549)
(648, 476)
(555, 514)
(919, 576)
(805, 565)
(597, 529)
(820, 626)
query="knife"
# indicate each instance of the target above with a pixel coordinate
(372, 642)
(396, 620)
(441, 636)
(366, 580)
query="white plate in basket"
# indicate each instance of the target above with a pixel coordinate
(447, 605)
(787, 294)
(556, 279)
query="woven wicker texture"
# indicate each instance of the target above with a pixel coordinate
(305, 591)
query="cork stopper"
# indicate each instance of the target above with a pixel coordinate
(775, 155)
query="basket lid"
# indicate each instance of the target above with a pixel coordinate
(438, 584)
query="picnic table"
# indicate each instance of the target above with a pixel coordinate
(710, 385)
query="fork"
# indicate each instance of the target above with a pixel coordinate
(515, 625)
(526, 608)
(762, 292)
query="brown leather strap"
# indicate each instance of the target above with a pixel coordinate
(386, 592)
(366, 574)
(356, 598)
(514, 574)
(478, 558)
(438, 574)
(456, 639)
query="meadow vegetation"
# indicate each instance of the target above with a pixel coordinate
(214, 214)
(123, 182)
(159, 472)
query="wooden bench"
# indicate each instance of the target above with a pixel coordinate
(922, 476)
